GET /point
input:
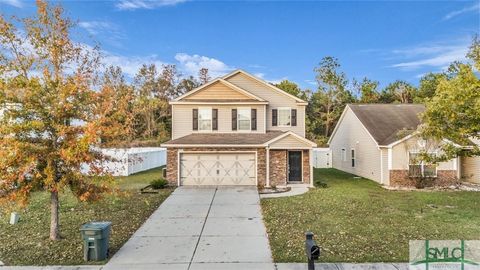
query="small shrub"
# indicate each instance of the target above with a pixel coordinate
(321, 184)
(158, 183)
(423, 182)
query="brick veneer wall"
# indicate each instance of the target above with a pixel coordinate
(400, 178)
(172, 161)
(278, 164)
(306, 167)
(278, 167)
(172, 166)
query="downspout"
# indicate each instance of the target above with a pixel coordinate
(459, 167)
(381, 166)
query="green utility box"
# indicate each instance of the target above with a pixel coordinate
(95, 237)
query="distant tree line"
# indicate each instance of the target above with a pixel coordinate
(140, 108)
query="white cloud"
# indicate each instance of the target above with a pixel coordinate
(187, 64)
(15, 3)
(105, 31)
(146, 4)
(311, 82)
(130, 64)
(259, 75)
(191, 64)
(96, 27)
(436, 55)
(473, 8)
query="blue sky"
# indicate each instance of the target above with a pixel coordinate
(383, 40)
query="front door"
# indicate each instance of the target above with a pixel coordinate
(294, 166)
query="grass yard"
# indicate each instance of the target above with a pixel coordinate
(27, 242)
(356, 220)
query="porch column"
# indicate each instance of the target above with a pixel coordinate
(310, 161)
(267, 166)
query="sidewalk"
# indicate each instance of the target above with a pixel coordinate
(235, 266)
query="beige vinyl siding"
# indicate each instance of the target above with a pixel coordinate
(471, 169)
(218, 91)
(182, 119)
(384, 163)
(400, 155)
(351, 134)
(289, 142)
(275, 100)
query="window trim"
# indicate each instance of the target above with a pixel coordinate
(249, 109)
(278, 116)
(422, 165)
(211, 119)
(353, 157)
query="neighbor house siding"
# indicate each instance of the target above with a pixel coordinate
(471, 169)
(217, 91)
(182, 119)
(275, 100)
(351, 134)
(400, 155)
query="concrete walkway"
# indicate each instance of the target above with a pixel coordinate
(295, 189)
(200, 228)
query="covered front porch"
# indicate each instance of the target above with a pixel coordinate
(289, 160)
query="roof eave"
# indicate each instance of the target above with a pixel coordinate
(173, 102)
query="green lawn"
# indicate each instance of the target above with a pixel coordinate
(27, 243)
(356, 220)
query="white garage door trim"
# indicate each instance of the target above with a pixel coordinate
(181, 152)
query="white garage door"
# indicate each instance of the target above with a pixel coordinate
(217, 169)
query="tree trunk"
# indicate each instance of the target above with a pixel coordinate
(54, 224)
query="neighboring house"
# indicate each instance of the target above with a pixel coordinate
(238, 130)
(379, 142)
(470, 166)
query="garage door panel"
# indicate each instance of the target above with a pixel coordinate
(217, 169)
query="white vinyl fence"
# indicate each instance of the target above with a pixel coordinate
(128, 161)
(322, 158)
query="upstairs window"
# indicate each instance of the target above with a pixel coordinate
(284, 117)
(244, 119)
(419, 168)
(205, 119)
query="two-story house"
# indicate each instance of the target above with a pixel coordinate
(238, 130)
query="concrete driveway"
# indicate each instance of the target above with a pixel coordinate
(200, 228)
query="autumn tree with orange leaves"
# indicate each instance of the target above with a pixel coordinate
(54, 113)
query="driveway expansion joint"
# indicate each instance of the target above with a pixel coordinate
(203, 227)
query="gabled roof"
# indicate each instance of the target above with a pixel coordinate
(386, 123)
(291, 134)
(273, 87)
(223, 82)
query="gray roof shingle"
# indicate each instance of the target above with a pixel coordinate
(388, 123)
(225, 138)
